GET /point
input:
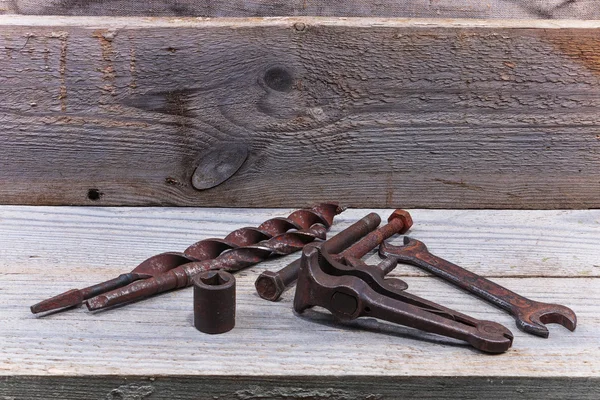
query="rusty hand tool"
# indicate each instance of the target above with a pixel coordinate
(214, 302)
(153, 266)
(271, 285)
(530, 315)
(239, 249)
(322, 281)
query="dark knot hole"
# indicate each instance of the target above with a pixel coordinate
(279, 79)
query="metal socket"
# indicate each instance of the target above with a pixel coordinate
(214, 302)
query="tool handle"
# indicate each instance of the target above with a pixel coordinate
(373, 239)
(351, 234)
(486, 336)
(336, 244)
(467, 280)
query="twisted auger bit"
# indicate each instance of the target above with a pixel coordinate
(173, 270)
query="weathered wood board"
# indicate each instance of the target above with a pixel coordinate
(371, 112)
(150, 349)
(518, 9)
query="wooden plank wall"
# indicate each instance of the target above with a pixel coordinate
(519, 9)
(371, 112)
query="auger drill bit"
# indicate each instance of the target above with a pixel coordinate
(240, 249)
(153, 266)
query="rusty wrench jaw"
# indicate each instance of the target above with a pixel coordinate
(530, 315)
(349, 296)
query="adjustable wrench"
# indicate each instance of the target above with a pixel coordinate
(530, 315)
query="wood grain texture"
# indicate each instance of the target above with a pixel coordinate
(296, 388)
(156, 337)
(519, 9)
(151, 350)
(371, 112)
(107, 241)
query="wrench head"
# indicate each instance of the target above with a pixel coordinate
(532, 318)
(403, 253)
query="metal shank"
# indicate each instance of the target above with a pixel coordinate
(271, 285)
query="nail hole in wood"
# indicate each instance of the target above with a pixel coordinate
(172, 181)
(94, 194)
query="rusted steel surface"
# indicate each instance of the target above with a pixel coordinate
(214, 302)
(271, 285)
(530, 315)
(153, 266)
(399, 222)
(240, 249)
(362, 291)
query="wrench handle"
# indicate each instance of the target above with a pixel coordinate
(530, 315)
(484, 335)
(469, 281)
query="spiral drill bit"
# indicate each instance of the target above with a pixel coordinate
(240, 249)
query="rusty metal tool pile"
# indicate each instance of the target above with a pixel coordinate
(349, 289)
(329, 274)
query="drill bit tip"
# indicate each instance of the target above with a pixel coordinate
(70, 298)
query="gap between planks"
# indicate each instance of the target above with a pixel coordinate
(93, 22)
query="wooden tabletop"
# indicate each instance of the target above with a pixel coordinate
(150, 349)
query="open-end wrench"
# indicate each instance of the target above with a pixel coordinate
(530, 315)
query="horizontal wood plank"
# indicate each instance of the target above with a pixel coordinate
(98, 242)
(298, 388)
(150, 348)
(372, 112)
(156, 337)
(519, 9)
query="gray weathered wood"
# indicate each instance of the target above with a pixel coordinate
(297, 388)
(372, 112)
(150, 349)
(519, 9)
(107, 241)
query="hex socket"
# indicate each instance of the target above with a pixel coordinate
(214, 302)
